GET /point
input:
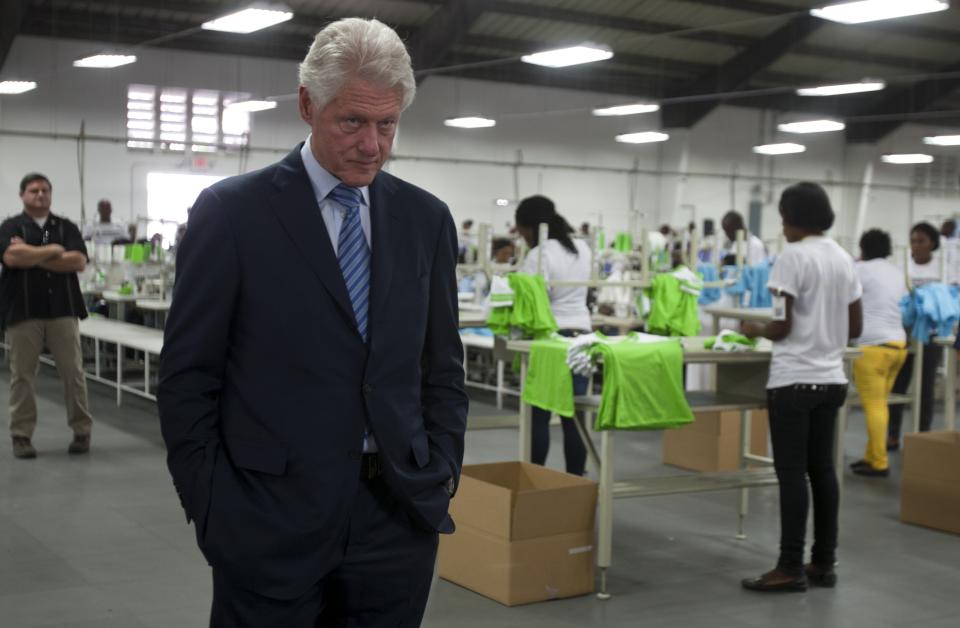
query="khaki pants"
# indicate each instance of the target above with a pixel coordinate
(62, 336)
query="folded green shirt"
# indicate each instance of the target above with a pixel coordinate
(549, 383)
(642, 386)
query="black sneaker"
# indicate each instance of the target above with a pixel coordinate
(79, 444)
(869, 471)
(776, 581)
(819, 576)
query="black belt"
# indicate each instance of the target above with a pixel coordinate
(370, 466)
(818, 387)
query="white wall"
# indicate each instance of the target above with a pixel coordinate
(541, 129)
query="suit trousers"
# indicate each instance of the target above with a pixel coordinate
(383, 579)
(27, 338)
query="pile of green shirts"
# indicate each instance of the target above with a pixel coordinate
(673, 310)
(642, 383)
(529, 312)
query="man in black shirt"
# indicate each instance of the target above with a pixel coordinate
(41, 303)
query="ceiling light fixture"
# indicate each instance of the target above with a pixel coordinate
(16, 87)
(252, 105)
(874, 10)
(470, 122)
(646, 137)
(913, 158)
(812, 126)
(105, 60)
(866, 85)
(626, 110)
(254, 18)
(786, 148)
(942, 140)
(573, 55)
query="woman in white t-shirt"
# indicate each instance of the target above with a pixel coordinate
(923, 267)
(820, 293)
(560, 258)
(884, 345)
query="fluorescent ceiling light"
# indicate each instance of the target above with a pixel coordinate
(574, 55)
(812, 126)
(646, 137)
(875, 10)
(105, 60)
(915, 158)
(16, 87)
(470, 122)
(942, 140)
(626, 110)
(502, 202)
(845, 88)
(786, 148)
(253, 18)
(252, 105)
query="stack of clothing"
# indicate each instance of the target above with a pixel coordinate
(520, 304)
(673, 311)
(730, 342)
(932, 308)
(642, 379)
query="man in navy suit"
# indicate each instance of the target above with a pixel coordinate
(311, 384)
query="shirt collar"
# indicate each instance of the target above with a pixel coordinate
(322, 181)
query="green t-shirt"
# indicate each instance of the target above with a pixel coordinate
(549, 383)
(673, 311)
(642, 386)
(530, 311)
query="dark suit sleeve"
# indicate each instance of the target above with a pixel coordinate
(195, 350)
(443, 395)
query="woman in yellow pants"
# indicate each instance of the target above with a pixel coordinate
(884, 345)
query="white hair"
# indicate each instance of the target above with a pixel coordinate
(356, 48)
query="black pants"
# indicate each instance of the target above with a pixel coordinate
(932, 355)
(574, 451)
(803, 420)
(382, 582)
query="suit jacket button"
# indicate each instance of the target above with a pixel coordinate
(367, 389)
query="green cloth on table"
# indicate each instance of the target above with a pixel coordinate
(530, 311)
(623, 242)
(642, 386)
(549, 383)
(673, 311)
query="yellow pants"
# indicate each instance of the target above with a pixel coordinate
(874, 375)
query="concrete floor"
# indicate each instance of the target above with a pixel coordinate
(101, 542)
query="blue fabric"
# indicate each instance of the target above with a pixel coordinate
(752, 280)
(709, 295)
(931, 309)
(353, 254)
(476, 331)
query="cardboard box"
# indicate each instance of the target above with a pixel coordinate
(930, 491)
(712, 441)
(524, 533)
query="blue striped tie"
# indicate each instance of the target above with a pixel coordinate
(353, 254)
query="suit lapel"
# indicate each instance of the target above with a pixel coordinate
(385, 231)
(295, 206)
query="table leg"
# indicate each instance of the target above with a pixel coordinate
(745, 425)
(146, 373)
(605, 532)
(917, 383)
(499, 384)
(950, 391)
(526, 417)
(119, 373)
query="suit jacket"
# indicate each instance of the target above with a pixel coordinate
(266, 385)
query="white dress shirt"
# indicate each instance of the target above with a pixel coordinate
(323, 183)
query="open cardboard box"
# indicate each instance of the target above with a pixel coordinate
(524, 533)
